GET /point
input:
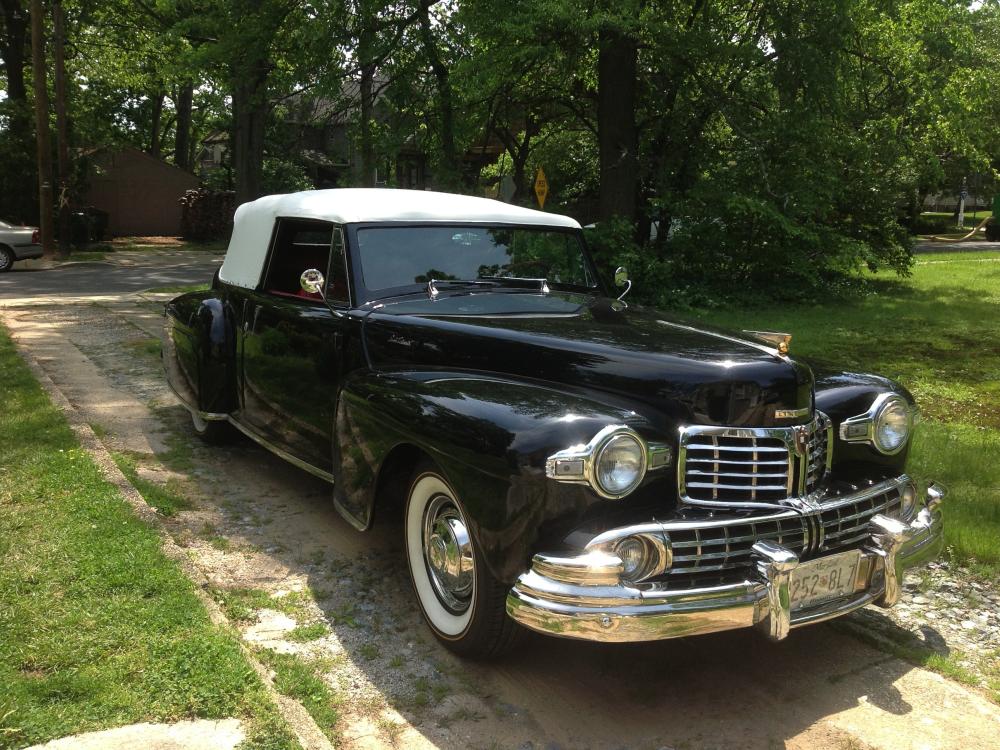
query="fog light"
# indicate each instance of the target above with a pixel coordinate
(908, 501)
(634, 557)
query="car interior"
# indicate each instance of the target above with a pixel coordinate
(299, 246)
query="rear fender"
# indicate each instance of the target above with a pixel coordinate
(199, 352)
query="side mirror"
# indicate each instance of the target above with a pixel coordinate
(312, 281)
(622, 280)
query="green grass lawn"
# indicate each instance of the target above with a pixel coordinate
(97, 627)
(943, 223)
(938, 333)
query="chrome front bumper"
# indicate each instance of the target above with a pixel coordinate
(583, 597)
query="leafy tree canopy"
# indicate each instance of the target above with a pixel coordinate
(724, 149)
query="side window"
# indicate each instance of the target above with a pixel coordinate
(298, 245)
(337, 289)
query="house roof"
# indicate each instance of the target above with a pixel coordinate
(254, 220)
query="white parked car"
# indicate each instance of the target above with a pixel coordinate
(17, 243)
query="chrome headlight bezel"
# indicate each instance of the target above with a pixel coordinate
(579, 463)
(632, 446)
(864, 428)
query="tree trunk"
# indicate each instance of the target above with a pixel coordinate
(38, 70)
(16, 202)
(12, 49)
(62, 128)
(368, 176)
(154, 128)
(182, 140)
(249, 118)
(450, 169)
(617, 133)
(519, 151)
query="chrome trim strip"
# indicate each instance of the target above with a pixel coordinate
(701, 331)
(208, 416)
(280, 453)
(211, 416)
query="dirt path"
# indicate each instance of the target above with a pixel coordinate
(298, 580)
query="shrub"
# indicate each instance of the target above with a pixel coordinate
(933, 224)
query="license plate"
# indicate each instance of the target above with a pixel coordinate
(824, 579)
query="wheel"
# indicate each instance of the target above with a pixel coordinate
(462, 603)
(6, 259)
(212, 432)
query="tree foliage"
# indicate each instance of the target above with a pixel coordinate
(770, 147)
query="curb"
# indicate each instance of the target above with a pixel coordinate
(308, 733)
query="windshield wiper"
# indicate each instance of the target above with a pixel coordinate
(543, 284)
(432, 284)
(488, 281)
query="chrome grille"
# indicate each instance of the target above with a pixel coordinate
(726, 545)
(713, 546)
(720, 467)
(817, 451)
(846, 523)
(731, 465)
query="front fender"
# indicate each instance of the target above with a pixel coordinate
(489, 435)
(847, 394)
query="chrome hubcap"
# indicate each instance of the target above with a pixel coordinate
(448, 554)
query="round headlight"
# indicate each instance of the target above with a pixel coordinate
(620, 465)
(892, 425)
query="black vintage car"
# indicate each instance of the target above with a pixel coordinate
(557, 457)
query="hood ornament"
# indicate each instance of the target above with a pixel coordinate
(779, 341)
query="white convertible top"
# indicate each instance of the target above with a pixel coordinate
(254, 220)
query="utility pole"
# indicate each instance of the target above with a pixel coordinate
(42, 129)
(62, 128)
(961, 204)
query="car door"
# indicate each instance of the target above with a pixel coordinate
(293, 344)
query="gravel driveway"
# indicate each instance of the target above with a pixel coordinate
(284, 562)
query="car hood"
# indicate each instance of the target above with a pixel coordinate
(689, 372)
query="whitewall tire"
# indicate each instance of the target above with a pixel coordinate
(213, 432)
(461, 602)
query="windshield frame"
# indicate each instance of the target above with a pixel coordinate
(365, 295)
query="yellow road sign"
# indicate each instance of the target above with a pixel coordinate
(541, 187)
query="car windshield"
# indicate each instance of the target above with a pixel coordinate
(393, 257)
